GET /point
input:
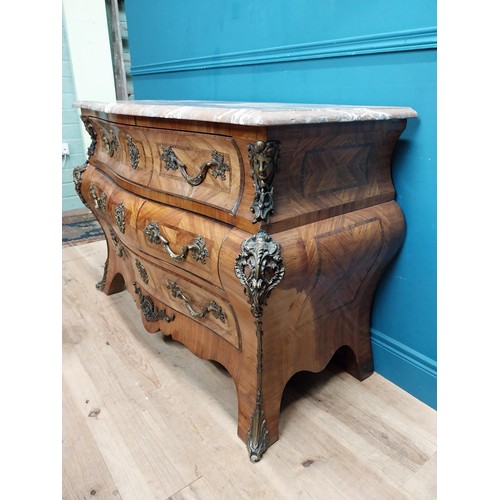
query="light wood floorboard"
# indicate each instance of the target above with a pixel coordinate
(143, 418)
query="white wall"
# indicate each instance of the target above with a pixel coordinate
(88, 43)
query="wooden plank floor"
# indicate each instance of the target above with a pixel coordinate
(143, 418)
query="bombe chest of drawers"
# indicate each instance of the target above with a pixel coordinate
(253, 233)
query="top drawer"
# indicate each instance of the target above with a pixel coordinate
(201, 167)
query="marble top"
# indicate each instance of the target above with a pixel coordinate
(249, 113)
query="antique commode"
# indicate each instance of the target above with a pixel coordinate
(253, 233)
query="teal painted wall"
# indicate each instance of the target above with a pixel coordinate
(71, 132)
(318, 51)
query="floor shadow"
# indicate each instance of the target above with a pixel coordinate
(304, 382)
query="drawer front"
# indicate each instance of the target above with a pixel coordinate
(185, 240)
(202, 167)
(201, 303)
(188, 241)
(125, 155)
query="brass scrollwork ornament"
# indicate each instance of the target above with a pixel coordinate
(133, 152)
(102, 283)
(120, 216)
(119, 248)
(260, 268)
(77, 181)
(78, 171)
(142, 271)
(149, 309)
(216, 164)
(263, 158)
(99, 201)
(93, 135)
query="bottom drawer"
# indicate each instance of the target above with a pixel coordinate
(201, 303)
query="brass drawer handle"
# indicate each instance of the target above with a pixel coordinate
(216, 164)
(197, 248)
(212, 306)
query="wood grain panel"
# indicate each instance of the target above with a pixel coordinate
(344, 254)
(331, 169)
(334, 169)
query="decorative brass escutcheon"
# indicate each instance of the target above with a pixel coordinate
(263, 158)
(93, 135)
(197, 248)
(77, 181)
(110, 143)
(212, 306)
(216, 165)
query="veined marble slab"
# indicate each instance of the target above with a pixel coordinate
(249, 113)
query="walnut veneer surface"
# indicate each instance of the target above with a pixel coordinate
(253, 233)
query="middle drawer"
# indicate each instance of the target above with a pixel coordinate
(180, 238)
(183, 239)
(201, 303)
